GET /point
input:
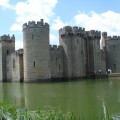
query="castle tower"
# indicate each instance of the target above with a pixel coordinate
(36, 51)
(93, 53)
(72, 40)
(7, 46)
(104, 63)
(113, 53)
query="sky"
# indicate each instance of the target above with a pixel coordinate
(102, 15)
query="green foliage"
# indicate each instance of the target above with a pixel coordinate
(10, 112)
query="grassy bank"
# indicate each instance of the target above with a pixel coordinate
(11, 112)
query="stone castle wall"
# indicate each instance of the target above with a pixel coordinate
(36, 51)
(56, 60)
(15, 66)
(113, 53)
(72, 40)
(78, 54)
(93, 51)
(7, 46)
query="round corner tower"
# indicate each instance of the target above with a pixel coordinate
(36, 51)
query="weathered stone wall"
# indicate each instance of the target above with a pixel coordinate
(93, 52)
(56, 60)
(15, 66)
(103, 61)
(113, 53)
(7, 46)
(72, 40)
(36, 51)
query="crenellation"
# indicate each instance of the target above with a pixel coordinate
(55, 48)
(75, 29)
(65, 30)
(78, 30)
(94, 34)
(78, 54)
(33, 24)
(113, 37)
(7, 38)
(71, 31)
(104, 34)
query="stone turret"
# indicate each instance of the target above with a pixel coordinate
(36, 51)
(72, 40)
(7, 46)
(92, 46)
(113, 53)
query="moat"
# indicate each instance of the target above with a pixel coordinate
(86, 98)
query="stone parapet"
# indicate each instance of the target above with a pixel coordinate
(113, 38)
(68, 30)
(33, 24)
(7, 38)
(56, 48)
(93, 34)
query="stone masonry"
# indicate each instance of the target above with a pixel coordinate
(78, 55)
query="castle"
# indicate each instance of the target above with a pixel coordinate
(78, 55)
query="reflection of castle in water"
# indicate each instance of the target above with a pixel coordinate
(78, 54)
(13, 93)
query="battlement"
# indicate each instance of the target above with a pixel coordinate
(71, 30)
(104, 34)
(55, 48)
(33, 24)
(93, 34)
(7, 38)
(20, 51)
(113, 38)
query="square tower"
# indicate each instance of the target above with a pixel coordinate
(7, 46)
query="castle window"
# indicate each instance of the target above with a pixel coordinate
(59, 67)
(34, 63)
(115, 66)
(56, 61)
(13, 63)
(7, 51)
(32, 36)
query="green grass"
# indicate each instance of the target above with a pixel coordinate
(11, 112)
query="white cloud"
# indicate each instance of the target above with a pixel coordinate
(16, 27)
(54, 40)
(18, 44)
(107, 21)
(33, 10)
(57, 24)
(5, 4)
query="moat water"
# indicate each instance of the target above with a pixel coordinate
(88, 98)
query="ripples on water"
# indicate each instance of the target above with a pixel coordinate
(89, 97)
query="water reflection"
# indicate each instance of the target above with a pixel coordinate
(88, 98)
(13, 93)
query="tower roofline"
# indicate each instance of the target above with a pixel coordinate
(33, 24)
(7, 38)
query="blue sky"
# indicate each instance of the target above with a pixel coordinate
(103, 15)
